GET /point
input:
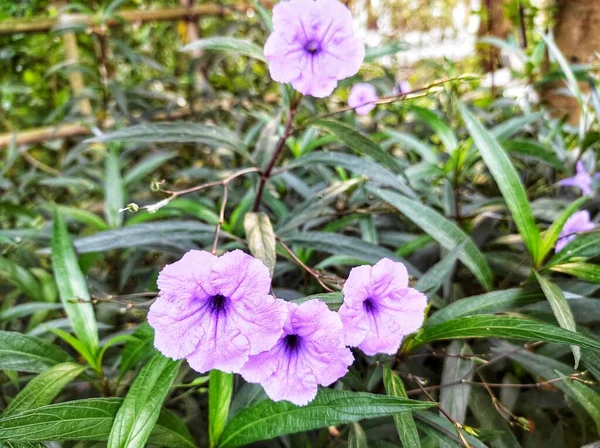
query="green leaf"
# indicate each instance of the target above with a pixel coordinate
(508, 182)
(424, 150)
(586, 397)
(114, 195)
(361, 144)
(489, 419)
(267, 142)
(26, 309)
(384, 49)
(332, 299)
(532, 150)
(551, 235)
(264, 15)
(566, 68)
(79, 346)
(357, 437)
(147, 166)
(140, 409)
(561, 310)
(442, 130)
(177, 132)
(514, 125)
(438, 273)
(444, 231)
(493, 326)
(454, 398)
(491, 302)
(21, 278)
(585, 271)
(443, 431)
(89, 419)
(358, 165)
(72, 286)
(145, 234)
(261, 238)
(267, 419)
(345, 245)
(138, 348)
(81, 215)
(220, 388)
(405, 423)
(586, 245)
(42, 389)
(227, 45)
(28, 354)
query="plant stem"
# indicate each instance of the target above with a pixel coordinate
(266, 174)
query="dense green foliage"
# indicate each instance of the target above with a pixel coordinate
(455, 182)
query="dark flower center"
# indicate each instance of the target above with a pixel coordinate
(217, 304)
(369, 305)
(292, 343)
(312, 46)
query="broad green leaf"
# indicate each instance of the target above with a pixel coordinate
(332, 299)
(561, 310)
(267, 419)
(360, 143)
(174, 132)
(586, 397)
(585, 271)
(147, 166)
(264, 15)
(508, 181)
(489, 419)
(357, 437)
(514, 125)
(532, 150)
(140, 409)
(79, 346)
(444, 231)
(586, 245)
(72, 286)
(345, 245)
(261, 238)
(550, 237)
(42, 389)
(442, 130)
(358, 165)
(435, 276)
(454, 398)
(114, 195)
(405, 423)
(220, 388)
(28, 354)
(21, 278)
(494, 326)
(566, 68)
(89, 419)
(227, 45)
(491, 302)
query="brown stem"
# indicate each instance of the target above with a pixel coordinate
(221, 218)
(308, 269)
(266, 174)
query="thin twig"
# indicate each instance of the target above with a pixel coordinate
(308, 269)
(221, 219)
(266, 174)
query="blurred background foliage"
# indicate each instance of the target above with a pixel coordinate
(116, 72)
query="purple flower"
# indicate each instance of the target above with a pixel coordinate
(379, 308)
(310, 352)
(313, 45)
(401, 88)
(361, 98)
(578, 222)
(581, 180)
(215, 311)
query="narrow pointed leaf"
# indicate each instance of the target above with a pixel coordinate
(28, 354)
(227, 45)
(261, 238)
(405, 423)
(551, 236)
(220, 388)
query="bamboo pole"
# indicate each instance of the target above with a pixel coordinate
(36, 25)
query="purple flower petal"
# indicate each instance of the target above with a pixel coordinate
(379, 308)
(361, 98)
(310, 352)
(581, 180)
(578, 222)
(313, 45)
(215, 311)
